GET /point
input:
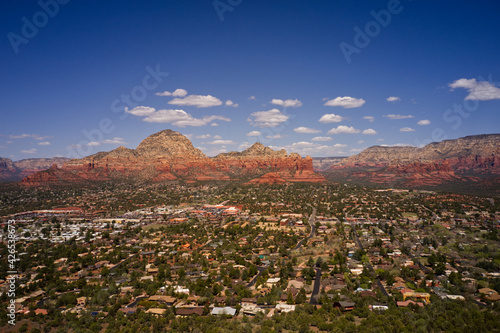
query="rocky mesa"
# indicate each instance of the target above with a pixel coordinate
(472, 161)
(170, 156)
(14, 171)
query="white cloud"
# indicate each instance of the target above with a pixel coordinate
(93, 144)
(251, 98)
(208, 136)
(231, 103)
(361, 142)
(221, 142)
(32, 136)
(330, 118)
(369, 131)
(44, 143)
(114, 141)
(316, 149)
(369, 118)
(141, 111)
(343, 130)
(393, 99)
(321, 138)
(398, 145)
(397, 116)
(214, 124)
(424, 122)
(303, 144)
(200, 101)
(176, 93)
(181, 118)
(179, 93)
(406, 129)
(29, 151)
(244, 145)
(306, 130)
(463, 83)
(213, 151)
(294, 103)
(478, 90)
(200, 122)
(271, 118)
(276, 136)
(254, 133)
(346, 102)
(168, 116)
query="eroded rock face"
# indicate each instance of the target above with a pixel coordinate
(378, 156)
(168, 144)
(470, 160)
(51, 176)
(8, 171)
(481, 151)
(13, 171)
(170, 156)
(322, 164)
(31, 165)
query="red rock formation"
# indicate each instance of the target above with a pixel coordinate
(168, 156)
(53, 175)
(8, 171)
(268, 178)
(465, 161)
(14, 171)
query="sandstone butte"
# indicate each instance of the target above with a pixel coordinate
(170, 156)
(471, 159)
(14, 171)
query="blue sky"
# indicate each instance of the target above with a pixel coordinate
(321, 78)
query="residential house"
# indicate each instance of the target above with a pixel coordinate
(227, 310)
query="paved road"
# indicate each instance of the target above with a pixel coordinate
(415, 260)
(122, 262)
(370, 267)
(316, 288)
(312, 221)
(134, 303)
(434, 216)
(254, 279)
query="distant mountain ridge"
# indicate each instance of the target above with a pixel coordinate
(471, 161)
(170, 156)
(325, 163)
(14, 171)
(484, 146)
(257, 149)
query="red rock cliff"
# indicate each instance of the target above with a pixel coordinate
(168, 155)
